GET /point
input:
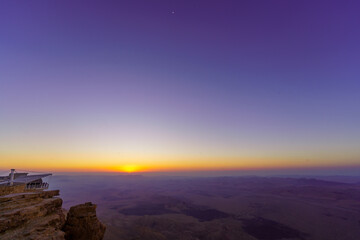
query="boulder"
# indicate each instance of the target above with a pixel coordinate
(82, 223)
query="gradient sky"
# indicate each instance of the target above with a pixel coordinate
(159, 85)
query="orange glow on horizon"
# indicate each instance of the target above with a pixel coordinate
(138, 169)
(168, 163)
(130, 168)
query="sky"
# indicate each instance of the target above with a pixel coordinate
(170, 85)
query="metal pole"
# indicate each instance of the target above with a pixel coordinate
(12, 177)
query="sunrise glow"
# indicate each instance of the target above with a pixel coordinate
(130, 168)
(130, 89)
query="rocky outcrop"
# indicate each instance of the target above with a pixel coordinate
(32, 215)
(16, 188)
(39, 215)
(82, 223)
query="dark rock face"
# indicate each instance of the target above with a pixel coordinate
(82, 223)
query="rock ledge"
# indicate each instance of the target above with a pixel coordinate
(39, 215)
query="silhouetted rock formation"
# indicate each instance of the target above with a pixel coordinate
(82, 223)
(38, 215)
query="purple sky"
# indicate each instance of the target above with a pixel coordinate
(271, 80)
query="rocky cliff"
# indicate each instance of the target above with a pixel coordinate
(39, 215)
(82, 223)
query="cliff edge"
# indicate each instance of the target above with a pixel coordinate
(82, 223)
(39, 215)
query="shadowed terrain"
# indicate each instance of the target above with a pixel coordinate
(210, 208)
